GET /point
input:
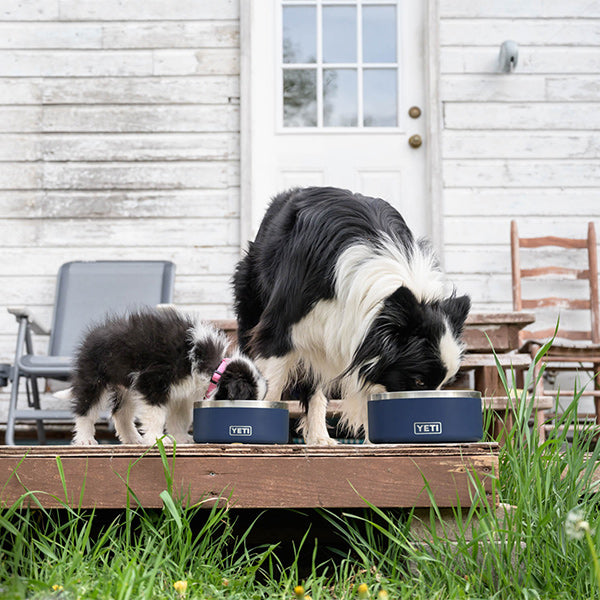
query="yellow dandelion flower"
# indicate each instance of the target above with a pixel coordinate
(382, 595)
(57, 588)
(180, 587)
(299, 592)
(363, 591)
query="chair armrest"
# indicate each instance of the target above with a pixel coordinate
(24, 313)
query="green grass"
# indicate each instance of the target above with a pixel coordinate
(525, 553)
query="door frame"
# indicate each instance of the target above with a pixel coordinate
(249, 13)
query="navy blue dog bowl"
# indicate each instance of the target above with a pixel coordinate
(241, 421)
(425, 417)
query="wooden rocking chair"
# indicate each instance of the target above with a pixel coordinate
(572, 350)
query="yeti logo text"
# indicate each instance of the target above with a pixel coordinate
(240, 430)
(428, 428)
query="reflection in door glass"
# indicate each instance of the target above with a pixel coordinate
(340, 106)
(340, 63)
(380, 105)
(299, 34)
(339, 34)
(300, 98)
(379, 34)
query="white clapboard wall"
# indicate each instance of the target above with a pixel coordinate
(524, 145)
(119, 138)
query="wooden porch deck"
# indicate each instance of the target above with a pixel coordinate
(250, 476)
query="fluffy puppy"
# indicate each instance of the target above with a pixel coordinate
(153, 365)
(336, 292)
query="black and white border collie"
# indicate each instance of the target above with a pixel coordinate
(153, 365)
(336, 294)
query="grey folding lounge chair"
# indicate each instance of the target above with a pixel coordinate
(85, 293)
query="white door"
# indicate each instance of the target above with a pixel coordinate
(330, 84)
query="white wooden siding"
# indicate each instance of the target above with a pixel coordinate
(119, 138)
(523, 145)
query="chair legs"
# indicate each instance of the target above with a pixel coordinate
(596, 367)
(34, 402)
(12, 407)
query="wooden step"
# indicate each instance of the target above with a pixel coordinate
(250, 476)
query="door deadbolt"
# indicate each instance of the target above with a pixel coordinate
(415, 141)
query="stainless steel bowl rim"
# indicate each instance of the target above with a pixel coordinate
(239, 404)
(420, 394)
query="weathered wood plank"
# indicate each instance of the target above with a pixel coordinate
(522, 203)
(273, 477)
(21, 176)
(119, 233)
(80, 63)
(20, 147)
(224, 61)
(496, 229)
(172, 34)
(50, 35)
(20, 119)
(501, 144)
(575, 88)
(535, 9)
(18, 91)
(496, 259)
(193, 89)
(493, 87)
(146, 10)
(531, 32)
(517, 115)
(36, 10)
(140, 119)
(137, 147)
(551, 60)
(97, 35)
(522, 173)
(118, 175)
(134, 175)
(78, 204)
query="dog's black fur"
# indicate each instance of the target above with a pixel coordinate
(318, 249)
(153, 365)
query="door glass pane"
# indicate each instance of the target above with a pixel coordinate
(380, 97)
(340, 106)
(339, 34)
(299, 34)
(299, 98)
(379, 33)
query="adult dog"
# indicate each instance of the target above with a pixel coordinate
(153, 365)
(335, 293)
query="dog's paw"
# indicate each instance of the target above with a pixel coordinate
(183, 439)
(84, 442)
(320, 441)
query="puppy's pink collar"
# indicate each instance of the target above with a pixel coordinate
(214, 380)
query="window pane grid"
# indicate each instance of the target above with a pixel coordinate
(383, 102)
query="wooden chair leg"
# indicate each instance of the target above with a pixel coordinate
(596, 368)
(539, 420)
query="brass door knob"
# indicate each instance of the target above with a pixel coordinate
(415, 141)
(414, 112)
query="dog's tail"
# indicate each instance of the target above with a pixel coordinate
(66, 394)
